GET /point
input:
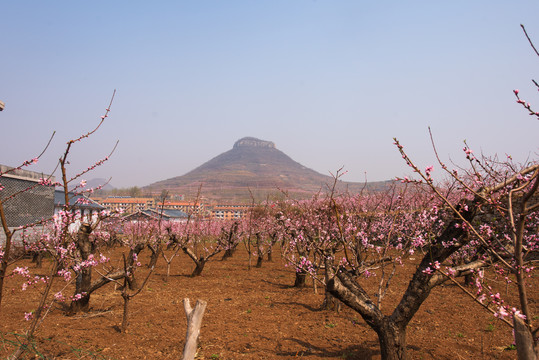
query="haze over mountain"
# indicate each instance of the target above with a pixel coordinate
(252, 166)
(96, 182)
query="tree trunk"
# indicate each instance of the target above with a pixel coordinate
(392, 341)
(468, 280)
(228, 254)
(7, 252)
(199, 261)
(526, 349)
(37, 258)
(331, 303)
(125, 318)
(301, 276)
(131, 280)
(270, 253)
(114, 240)
(391, 335)
(83, 282)
(231, 247)
(199, 267)
(155, 255)
(259, 251)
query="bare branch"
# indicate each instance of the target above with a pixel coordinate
(529, 40)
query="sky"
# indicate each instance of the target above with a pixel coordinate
(330, 82)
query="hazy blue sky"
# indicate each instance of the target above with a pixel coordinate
(330, 82)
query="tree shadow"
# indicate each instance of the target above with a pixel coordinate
(164, 275)
(354, 352)
(306, 306)
(279, 285)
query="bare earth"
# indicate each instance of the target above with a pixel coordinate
(251, 314)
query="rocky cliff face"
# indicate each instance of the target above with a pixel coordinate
(253, 142)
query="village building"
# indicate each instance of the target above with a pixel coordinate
(32, 202)
(127, 204)
(156, 215)
(229, 212)
(86, 206)
(190, 207)
(25, 198)
(143, 208)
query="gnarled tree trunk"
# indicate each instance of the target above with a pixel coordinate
(199, 267)
(228, 253)
(391, 329)
(199, 262)
(155, 255)
(84, 286)
(83, 281)
(392, 339)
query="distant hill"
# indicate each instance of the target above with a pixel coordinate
(251, 166)
(93, 183)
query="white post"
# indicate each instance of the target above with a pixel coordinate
(194, 321)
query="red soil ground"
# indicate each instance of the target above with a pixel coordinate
(251, 314)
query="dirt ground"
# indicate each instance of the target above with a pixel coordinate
(251, 314)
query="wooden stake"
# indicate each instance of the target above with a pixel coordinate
(194, 321)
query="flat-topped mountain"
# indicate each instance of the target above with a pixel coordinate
(253, 142)
(251, 166)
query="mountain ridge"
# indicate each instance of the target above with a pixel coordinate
(253, 168)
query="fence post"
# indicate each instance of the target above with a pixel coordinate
(194, 321)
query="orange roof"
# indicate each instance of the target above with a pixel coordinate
(232, 207)
(179, 203)
(126, 200)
